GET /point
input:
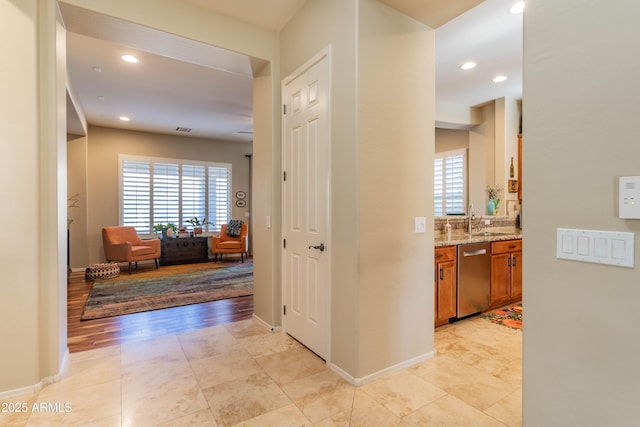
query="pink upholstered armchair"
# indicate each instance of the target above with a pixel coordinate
(122, 244)
(226, 244)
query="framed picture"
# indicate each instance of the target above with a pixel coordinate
(241, 203)
(241, 195)
(513, 186)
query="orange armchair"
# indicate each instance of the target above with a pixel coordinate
(230, 245)
(122, 244)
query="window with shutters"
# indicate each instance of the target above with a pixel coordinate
(154, 191)
(449, 183)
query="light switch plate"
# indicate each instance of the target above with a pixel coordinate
(600, 247)
(420, 224)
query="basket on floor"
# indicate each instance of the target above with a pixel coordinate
(107, 270)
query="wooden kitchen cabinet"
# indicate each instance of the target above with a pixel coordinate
(445, 284)
(506, 272)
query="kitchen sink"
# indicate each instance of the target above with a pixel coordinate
(489, 233)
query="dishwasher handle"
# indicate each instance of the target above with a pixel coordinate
(474, 253)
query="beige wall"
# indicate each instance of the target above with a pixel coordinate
(33, 287)
(265, 202)
(105, 144)
(580, 133)
(77, 209)
(20, 282)
(507, 120)
(396, 112)
(451, 139)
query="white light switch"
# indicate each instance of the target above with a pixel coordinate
(601, 247)
(567, 244)
(618, 249)
(583, 245)
(420, 224)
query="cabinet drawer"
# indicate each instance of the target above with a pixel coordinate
(506, 246)
(446, 253)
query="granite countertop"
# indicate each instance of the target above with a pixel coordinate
(485, 235)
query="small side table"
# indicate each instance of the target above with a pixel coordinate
(185, 250)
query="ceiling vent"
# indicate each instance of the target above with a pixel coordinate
(181, 129)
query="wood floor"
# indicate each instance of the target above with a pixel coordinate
(90, 334)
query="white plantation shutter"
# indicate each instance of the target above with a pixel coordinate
(438, 187)
(449, 182)
(166, 194)
(136, 200)
(154, 191)
(454, 183)
(194, 192)
(219, 196)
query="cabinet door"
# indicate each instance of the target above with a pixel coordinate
(500, 279)
(516, 275)
(446, 292)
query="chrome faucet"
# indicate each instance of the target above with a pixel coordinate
(471, 215)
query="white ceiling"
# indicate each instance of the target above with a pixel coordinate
(182, 83)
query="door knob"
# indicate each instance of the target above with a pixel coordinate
(320, 247)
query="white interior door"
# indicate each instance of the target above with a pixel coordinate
(306, 187)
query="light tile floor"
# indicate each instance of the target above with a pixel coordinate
(240, 374)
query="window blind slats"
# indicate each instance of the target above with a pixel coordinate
(220, 189)
(449, 185)
(194, 194)
(155, 191)
(166, 194)
(136, 202)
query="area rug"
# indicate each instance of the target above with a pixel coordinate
(167, 287)
(510, 317)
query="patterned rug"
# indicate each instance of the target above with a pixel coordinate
(510, 317)
(167, 287)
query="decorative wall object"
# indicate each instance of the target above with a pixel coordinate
(513, 186)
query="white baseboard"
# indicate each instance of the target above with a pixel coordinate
(267, 325)
(371, 377)
(39, 385)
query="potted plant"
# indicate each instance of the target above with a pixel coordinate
(494, 192)
(197, 224)
(163, 229)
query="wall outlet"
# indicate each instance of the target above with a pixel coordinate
(487, 221)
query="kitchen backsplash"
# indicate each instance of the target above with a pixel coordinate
(460, 224)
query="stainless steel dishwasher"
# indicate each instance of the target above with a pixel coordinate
(474, 275)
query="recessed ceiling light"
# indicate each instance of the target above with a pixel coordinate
(124, 118)
(100, 98)
(517, 8)
(130, 58)
(499, 79)
(468, 65)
